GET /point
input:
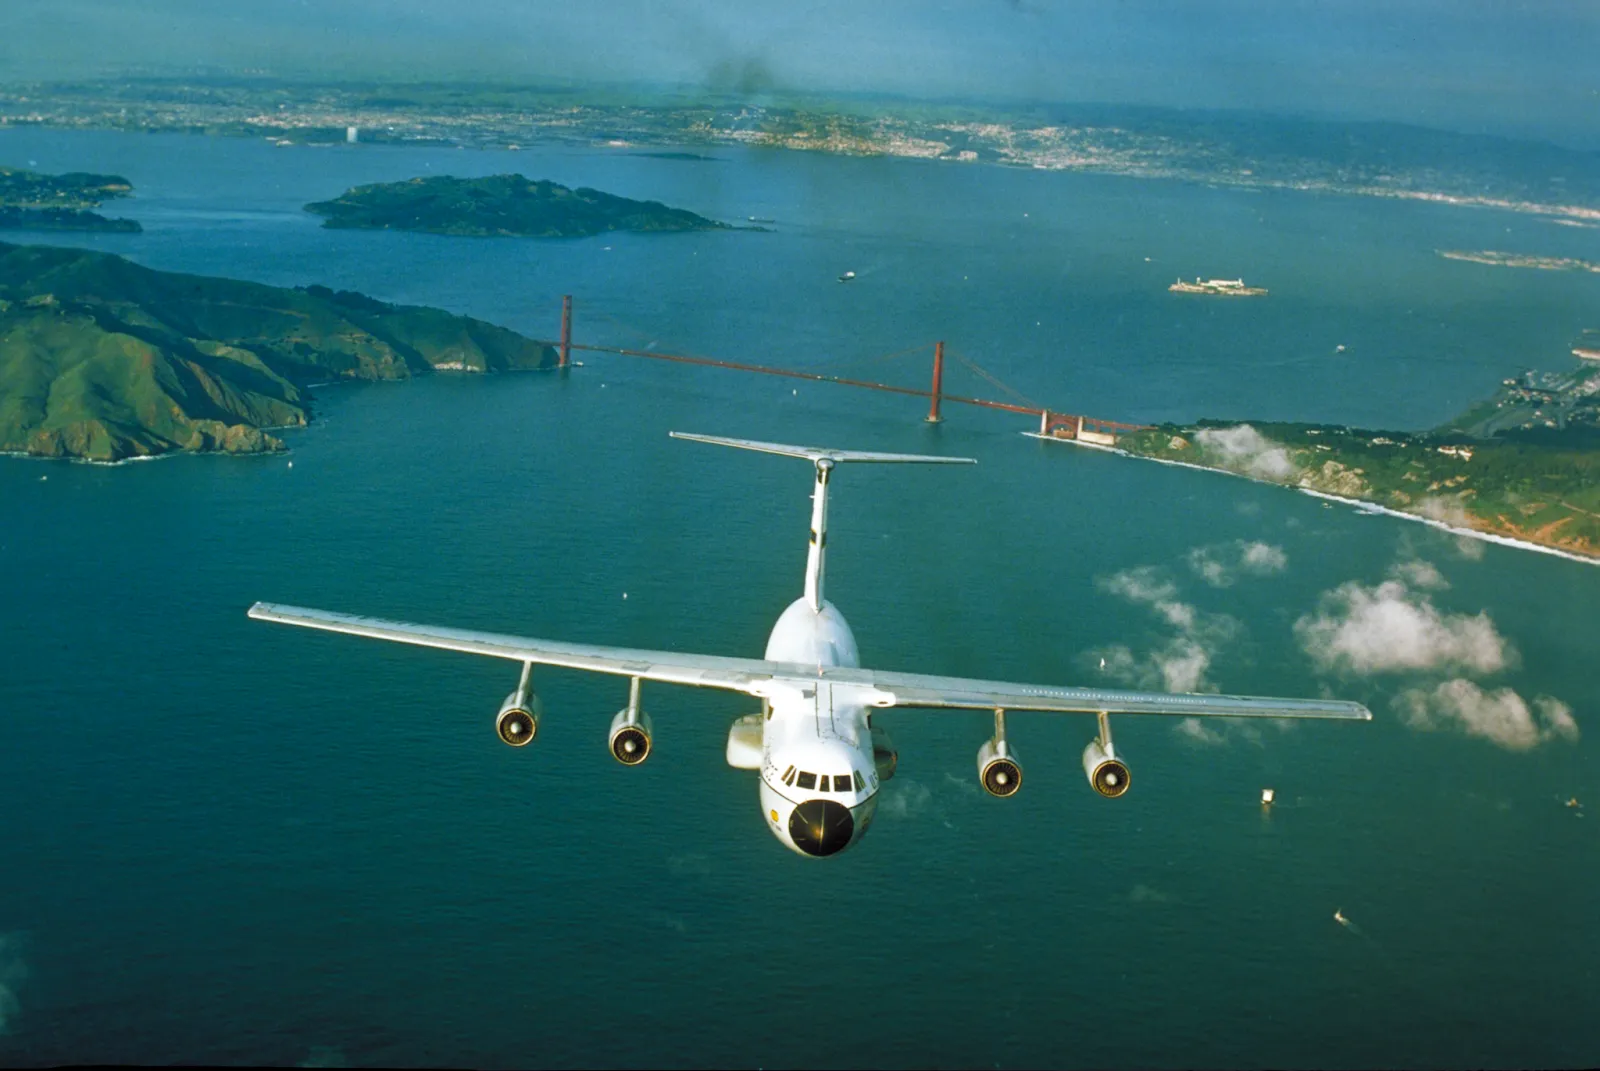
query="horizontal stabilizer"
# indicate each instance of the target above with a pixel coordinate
(820, 453)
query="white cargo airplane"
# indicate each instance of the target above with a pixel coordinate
(821, 758)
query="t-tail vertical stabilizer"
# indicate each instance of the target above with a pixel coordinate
(824, 458)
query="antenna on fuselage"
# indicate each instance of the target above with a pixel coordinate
(824, 459)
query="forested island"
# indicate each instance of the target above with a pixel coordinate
(104, 360)
(32, 201)
(500, 205)
(1524, 464)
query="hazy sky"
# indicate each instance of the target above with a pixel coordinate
(1497, 65)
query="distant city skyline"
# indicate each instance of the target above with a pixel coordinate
(1522, 70)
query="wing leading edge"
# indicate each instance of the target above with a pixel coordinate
(754, 676)
(709, 671)
(959, 693)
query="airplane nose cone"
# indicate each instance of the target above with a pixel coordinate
(821, 827)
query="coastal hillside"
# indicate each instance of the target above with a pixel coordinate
(104, 360)
(1538, 485)
(500, 206)
(32, 201)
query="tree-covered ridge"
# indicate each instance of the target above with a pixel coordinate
(500, 205)
(32, 201)
(1540, 485)
(103, 359)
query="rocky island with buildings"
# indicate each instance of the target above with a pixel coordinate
(1218, 287)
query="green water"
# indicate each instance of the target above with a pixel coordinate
(222, 841)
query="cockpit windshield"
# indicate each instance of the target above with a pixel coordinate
(815, 782)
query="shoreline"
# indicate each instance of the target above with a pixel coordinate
(70, 460)
(1488, 537)
(1360, 504)
(1580, 215)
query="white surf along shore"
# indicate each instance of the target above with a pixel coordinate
(1359, 503)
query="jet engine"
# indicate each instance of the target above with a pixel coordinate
(518, 721)
(884, 757)
(630, 737)
(630, 731)
(998, 769)
(1107, 773)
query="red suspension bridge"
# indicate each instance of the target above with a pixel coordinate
(1052, 423)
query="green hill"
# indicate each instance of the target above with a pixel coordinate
(500, 205)
(35, 202)
(105, 360)
(1539, 485)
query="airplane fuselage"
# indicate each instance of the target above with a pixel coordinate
(819, 785)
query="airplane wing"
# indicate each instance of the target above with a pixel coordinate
(961, 693)
(754, 676)
(711, 671)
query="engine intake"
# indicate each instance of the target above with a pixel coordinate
(518, 721)
(998, 769)
(1107, 774)
(630, 736)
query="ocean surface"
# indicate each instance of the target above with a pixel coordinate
(228, 842)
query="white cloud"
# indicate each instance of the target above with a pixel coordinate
(1501, 716)
(1180, 615)
(1262, 559)
(1180, 664)
(12, 973)
(1419, 574)
(1451, 511)
(1221, 564)
(1445, 510)
(1208, 568)
(1388, 628)
(1197, 731)
(1143, 583)
(1244, 449)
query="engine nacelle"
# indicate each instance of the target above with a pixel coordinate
(884, 757)
(630, 736)
(1107, 773)
(518, 721)
(998, 769)
(745, 751)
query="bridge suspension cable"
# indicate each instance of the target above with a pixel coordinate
(936, 394)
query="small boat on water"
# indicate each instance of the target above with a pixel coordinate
(847, 276)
